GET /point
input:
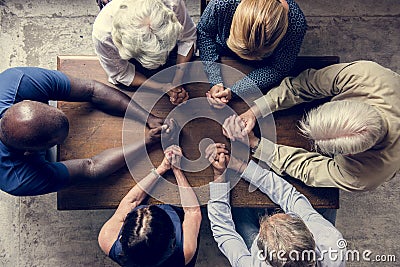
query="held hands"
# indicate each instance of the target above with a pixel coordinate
(236, 129)
(220, 159)
(249, 119)
(177, 94)
(168, 130)
(218, 156)
(172, 159)
(218, 96)
(154, 121)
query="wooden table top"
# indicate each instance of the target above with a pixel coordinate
(92, 131)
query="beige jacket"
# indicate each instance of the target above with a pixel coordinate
(357, 81)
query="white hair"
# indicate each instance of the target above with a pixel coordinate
(343, 127)
(145, 30)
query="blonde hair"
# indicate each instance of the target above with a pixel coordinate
(145, 30)
(285, 233)
(343, 127)
(257, 28)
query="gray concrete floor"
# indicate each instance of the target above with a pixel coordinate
(33, 33)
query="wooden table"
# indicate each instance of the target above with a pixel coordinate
(92, 131)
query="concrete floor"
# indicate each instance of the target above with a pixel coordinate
(33, 33)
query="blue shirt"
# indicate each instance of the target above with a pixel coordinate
(25, 174)
(289, 199)
(213, 31)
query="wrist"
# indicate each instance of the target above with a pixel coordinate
(255, 111)
(242, 168)
(254, 141)
(161, 170)
(221, 178)
(176, 170)
(149, 140)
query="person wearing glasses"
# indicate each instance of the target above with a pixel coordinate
(298, 237)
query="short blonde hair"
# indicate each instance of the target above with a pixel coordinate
(257, 28)
(286, 234)
(145, 30)
(343, 127)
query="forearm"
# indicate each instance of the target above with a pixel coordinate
(139, 192)
(189, 199)
(117, 102)
(208, 52)
(281, 192)
(229, 241)
(274, 186)
(140, 80)
(257, 81)
(105, 98)
(180, 67)
(311, 168)
(105, 163)
(309, 85)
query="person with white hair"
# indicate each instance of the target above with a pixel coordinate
(135, 38)
(356, 134)
(298, 237)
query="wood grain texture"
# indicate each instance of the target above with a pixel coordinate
(92, 131)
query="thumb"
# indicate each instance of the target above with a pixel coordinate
(221, 159)
(222, 93)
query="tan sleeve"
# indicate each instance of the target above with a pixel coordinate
(309, 85)
(312, 168)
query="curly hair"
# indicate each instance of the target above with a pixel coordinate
(145, 30)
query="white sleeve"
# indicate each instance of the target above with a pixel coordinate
(189, 33)
(117, 69)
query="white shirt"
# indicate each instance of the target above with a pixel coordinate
(231, 244)
(118, 69)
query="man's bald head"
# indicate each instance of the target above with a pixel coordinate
(31, 125)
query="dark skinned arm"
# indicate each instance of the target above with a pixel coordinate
(110, 100)
(110, 160)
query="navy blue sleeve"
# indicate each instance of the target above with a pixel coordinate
(215, 23)
(279, 64)
(42, 85)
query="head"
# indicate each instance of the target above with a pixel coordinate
(146, 235)
(282, 240)
(257, 28)
(145, 30)
(343, 127)
(31, 125)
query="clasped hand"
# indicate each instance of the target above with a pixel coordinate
(240, 128)
(219, 157)
(218, 96)
(168, 130)
(172, 158)
(177, 95)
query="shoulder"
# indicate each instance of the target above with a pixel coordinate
(224, 5)
(331, 240)
(109, 234)
(102, 25)
(297, 19)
